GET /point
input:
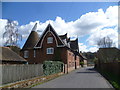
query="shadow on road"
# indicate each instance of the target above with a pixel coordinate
(88, 70)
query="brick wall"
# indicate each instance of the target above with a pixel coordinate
(70, 60)
(77, 61)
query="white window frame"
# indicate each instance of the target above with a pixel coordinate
(34, 53)
(50, 50)
(50, 40)
(26, 54)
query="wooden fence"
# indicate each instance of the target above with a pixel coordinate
(13, 73)
(113, 67)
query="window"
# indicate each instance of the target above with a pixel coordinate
(69, 53)
(26, 54)
(50, 50)
(50, 40)
(34, 53)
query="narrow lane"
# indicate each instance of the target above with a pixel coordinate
(81, 78)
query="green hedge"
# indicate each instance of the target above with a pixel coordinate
(52, 67)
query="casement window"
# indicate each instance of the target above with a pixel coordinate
(50, 40)
(34, 53)
(26, 54)
(50, 50)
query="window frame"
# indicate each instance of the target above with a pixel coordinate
(50, 40)
(50, 52)
(26, 54)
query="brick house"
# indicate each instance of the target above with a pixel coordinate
(51, 46)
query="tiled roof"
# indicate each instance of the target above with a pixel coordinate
(74, 45)
(6, 54)
(63, 36)
(31, 41)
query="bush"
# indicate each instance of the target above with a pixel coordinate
(52, 67)
(82, 63)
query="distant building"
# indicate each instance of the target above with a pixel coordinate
(51, 46)
(83, 59)
(7, 56)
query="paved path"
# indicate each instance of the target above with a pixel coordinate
(81, 78)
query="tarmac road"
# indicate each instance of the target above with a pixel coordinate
(80, 78)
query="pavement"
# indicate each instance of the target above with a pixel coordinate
(81, 78)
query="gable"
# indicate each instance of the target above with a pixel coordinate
(49, 29)
(74, 45)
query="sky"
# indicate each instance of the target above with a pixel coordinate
(89, 21)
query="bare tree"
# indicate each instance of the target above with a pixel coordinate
(105, 42)
(11, 34)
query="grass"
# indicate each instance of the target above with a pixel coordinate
(112, 78)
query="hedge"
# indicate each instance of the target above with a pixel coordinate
(52, 67)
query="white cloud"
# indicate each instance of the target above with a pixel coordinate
(98, 34)
(109, 28)
(96, 24)
(85, 48)
(82, 47)
(3, 22)
(93, 49)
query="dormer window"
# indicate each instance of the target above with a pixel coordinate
(50, 40)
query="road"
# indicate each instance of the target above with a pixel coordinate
(80, 78)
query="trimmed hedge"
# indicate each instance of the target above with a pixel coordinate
(52, 67)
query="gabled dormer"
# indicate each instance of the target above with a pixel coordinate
(49, 30)
(74, 45)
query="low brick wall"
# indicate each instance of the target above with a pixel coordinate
(13, 73)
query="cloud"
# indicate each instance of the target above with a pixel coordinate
(93, 49)
(3, 22)
(82, 47)
(85, 48)
(99, 34)
(95, 24)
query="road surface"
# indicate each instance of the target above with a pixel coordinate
(80, 78)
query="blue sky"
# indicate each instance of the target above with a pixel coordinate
(26, 12)
(32, 11)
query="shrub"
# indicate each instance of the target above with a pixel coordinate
(52, 67)
(82, 63)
